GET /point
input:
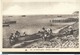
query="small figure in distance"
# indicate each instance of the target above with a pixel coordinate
(49, 30)
(17, 34)
(24, 34)
(44, 30)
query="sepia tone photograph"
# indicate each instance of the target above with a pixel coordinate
(40, 25)
(41, 31)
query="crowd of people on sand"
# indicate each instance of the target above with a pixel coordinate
(45, 33)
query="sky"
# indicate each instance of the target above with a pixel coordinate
(24, 7)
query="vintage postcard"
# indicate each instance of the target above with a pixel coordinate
(40, 26)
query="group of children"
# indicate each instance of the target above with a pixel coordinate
(46, 33)
(14, 37)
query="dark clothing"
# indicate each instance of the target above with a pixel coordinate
(11, 37)
(17, 34)
(71, 32)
